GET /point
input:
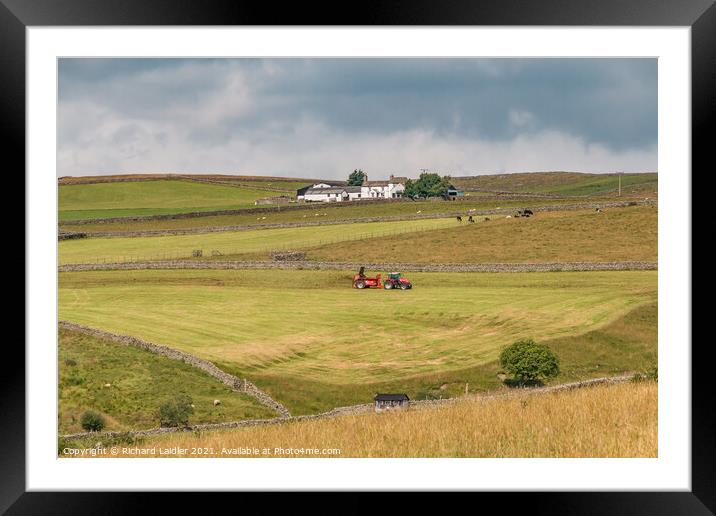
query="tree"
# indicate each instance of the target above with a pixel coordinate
(411, 189)
(526, 360)
(427, 185)
(356, 178)
(176, 411)
(91, 421)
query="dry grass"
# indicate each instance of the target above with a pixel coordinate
(581, 236)
(602, 421)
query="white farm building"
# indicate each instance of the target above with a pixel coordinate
(321, 192)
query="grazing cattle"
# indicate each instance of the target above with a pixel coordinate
(470, 219)
(598, 210)
(459, 218)
(528, 212)
(487, 218)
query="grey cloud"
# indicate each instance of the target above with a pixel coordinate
(264, 107)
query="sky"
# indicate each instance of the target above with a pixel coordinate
(323, 118)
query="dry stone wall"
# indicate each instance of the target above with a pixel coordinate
(237, 384)
(341, 266)
(358, 409)
(62, 235)
(264, 209)
(386, 218)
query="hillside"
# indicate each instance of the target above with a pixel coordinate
(115, 178)
(602, 421)
(558, 183)
(139, 382)
(615, 234)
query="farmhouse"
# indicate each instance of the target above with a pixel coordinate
(391, 402)
(319, 193)
(391, 189)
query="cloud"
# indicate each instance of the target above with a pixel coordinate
(324, 117)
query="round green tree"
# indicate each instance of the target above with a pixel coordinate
(526, 360)
(91, 421)
(176, 411)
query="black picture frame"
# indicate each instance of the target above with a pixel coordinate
(17, 15)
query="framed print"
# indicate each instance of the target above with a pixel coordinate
(419, 252)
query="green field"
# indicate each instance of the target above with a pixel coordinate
(322, 212)
(561, 183)
(120, 199)
(615, 234)
(314, 343)
(235, 242)
(289, 186)
(139, 382)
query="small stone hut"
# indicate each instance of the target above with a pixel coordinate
(391, 402)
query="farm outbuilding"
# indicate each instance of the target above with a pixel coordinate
(391, 402)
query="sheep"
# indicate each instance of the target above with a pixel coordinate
(217, 402)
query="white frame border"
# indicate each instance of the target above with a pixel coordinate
(671, 471)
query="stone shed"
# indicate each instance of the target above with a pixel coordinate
(391, 402)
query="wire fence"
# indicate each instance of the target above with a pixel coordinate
(224, 252)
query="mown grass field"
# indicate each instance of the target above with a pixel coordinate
(615, 234)
(601, 421)
(315, 343)
(139, 383)
(561, 183)
(119, 199)
(231, 242)
(322, 212)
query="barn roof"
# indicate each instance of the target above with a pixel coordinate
(333, 190)
(391, 397)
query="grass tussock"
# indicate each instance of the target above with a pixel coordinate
(602, 421)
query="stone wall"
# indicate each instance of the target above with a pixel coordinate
(67, 235)
(386, 218)
(342, 266)
(237, 384)
(359, 409)
(264, 209)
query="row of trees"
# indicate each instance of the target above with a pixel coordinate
(428, 184)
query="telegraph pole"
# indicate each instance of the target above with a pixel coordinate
(619, 174)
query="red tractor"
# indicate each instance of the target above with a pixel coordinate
(394, 280)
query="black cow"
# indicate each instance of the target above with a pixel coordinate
(470, 219)
(459, 218)
(527, 212)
